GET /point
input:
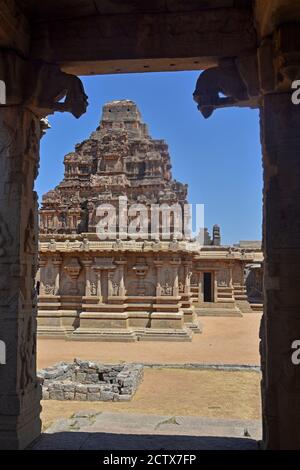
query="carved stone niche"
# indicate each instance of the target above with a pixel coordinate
(141, 267)
(73, 268)
(167, 281)
(233, 83)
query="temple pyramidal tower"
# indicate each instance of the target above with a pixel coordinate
(120, 288)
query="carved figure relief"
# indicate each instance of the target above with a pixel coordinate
(27, 354)
(49, 289)
(29, 235)
(166, 289)
(93, 288)
(223, 278)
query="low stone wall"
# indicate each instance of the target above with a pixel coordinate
(90, 381)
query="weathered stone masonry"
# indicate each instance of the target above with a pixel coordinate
(253, 50)
(124, 289)
(90, 381)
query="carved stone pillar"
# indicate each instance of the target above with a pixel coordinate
(280, 125)
(57, 263)
(19, 388)
(269, 80)
(200, 287)
(215, 285)
(42, 265)
(158, 265)
(230, 276)
(187, 277)
(122, 284)
(176, 283)
(87, 263)
(121, 265)
(32, 91)
(110, 285)
(175, 263)
(99, 289)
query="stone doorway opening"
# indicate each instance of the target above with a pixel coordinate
(142, 267)
(250, 50)
(208, 287)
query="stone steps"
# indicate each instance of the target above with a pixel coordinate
(218, 312)
(257, 307)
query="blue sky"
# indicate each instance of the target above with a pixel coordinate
(219, 158)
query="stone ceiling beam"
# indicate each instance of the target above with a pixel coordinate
(14, 28)
(145, 42)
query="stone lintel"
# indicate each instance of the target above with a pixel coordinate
(127, 43)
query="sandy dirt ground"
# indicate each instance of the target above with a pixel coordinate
(179, 392)
(231, 340)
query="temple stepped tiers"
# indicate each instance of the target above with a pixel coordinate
(119, 288)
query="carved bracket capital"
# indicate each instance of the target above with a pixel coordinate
(234, 82)
(41, 87)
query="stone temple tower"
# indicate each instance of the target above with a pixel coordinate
(119, 159)
(120, 288)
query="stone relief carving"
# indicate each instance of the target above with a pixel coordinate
(223, 278)
(41, 86)
(141, 287)
(166, 285)
(235, 80)
(73, 268)
(29, 235)
(27, 354)
(93, 290)
(166, 289)
(49, 289)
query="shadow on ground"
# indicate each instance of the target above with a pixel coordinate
(111, 441)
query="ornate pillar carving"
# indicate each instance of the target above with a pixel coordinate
(33, 90)
(280, 121)
(19, 388)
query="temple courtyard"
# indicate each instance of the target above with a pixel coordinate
(183, 396)
(224, 340)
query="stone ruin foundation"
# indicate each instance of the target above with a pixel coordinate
(90, 381)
